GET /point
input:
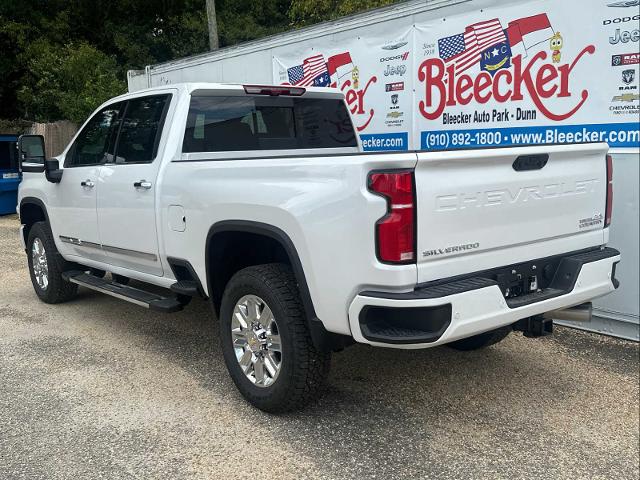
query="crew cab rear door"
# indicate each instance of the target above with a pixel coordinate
(480, 209)
(126, 202)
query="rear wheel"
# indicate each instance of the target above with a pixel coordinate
(266, 342)
(46, 266)
(483, 340)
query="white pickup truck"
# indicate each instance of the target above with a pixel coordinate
(259, 199)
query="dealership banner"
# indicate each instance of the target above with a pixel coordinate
(375, 76)
(540, 72)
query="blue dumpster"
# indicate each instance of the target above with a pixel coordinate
(9, 174)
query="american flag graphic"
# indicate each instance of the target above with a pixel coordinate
(307, 74)
(464, 49)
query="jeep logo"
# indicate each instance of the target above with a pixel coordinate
(624, 36)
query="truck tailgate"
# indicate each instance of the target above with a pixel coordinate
(477, 204)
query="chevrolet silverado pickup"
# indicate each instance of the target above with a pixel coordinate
(260, 200)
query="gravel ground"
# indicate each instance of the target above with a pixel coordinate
(98, 388)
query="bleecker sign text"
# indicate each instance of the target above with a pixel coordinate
(355, 100)
(451, 88)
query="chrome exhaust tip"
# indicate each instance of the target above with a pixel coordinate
(579, 313)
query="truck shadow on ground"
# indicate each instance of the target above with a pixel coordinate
(384, 406)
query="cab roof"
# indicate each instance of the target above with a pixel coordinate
(191, 87)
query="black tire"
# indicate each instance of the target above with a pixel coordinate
(303, 369)
(483, 340)
(57, 290)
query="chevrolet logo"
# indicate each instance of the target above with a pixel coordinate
(626, 97)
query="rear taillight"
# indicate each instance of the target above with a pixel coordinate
(395, 232)
(609, 208)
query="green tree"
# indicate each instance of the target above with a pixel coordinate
(308, 12)
(59, 59)
(67, 82)
(243, 20)
(36, 35)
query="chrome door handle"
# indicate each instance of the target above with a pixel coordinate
(87, 183)
(142, 184)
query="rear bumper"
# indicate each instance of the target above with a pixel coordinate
(449, 311)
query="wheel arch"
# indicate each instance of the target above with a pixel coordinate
(31, 210)
(321, 337)
(264, 230)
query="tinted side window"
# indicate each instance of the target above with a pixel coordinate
(141, 129)
(228, 123)
(97, 139)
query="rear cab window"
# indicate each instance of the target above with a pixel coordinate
(225, 123)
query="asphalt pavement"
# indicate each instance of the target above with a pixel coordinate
(99, 388)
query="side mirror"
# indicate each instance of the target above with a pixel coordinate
(52, 171)
(31, 153)
(32, 158)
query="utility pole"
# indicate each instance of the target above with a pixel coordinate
(213, 25)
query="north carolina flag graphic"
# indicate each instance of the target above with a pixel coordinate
(339, 66)
(528, 32)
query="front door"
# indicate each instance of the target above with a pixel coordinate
(127, 188)
(73, 201)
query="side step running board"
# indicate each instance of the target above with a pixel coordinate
(189, 288)
(143, 298)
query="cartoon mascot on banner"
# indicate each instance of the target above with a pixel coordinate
(556, 44)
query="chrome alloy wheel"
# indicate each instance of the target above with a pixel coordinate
(256, 340)
(39, 262)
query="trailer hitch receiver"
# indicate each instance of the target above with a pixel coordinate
(533, 327)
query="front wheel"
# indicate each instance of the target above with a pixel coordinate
(266, 342)
(46, 266)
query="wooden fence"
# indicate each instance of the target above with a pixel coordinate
(56, 135)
